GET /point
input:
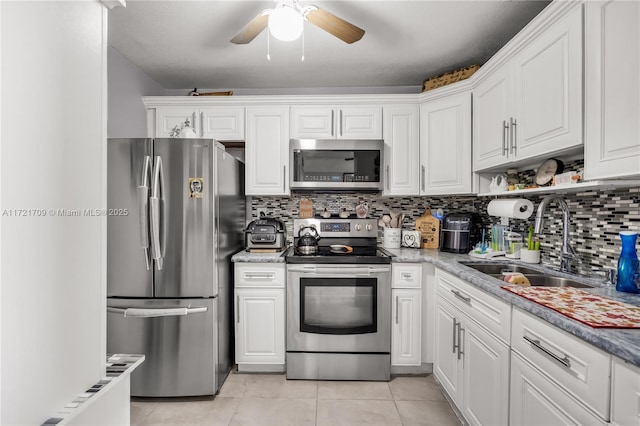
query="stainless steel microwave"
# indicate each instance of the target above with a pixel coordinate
(336, 164)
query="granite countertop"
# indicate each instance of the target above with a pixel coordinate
(623, 343)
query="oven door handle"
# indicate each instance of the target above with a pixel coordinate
(333, 271)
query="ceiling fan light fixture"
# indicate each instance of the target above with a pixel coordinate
(285, 23)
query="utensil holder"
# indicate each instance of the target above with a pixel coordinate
(392, 237)
(529, 256)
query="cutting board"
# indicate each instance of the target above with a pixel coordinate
(429, 228)
(306, 208)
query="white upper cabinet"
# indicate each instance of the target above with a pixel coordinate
(267, 151)
(220, 123)
(445, 146)
(401, 150)
(345, 122)
(612, 89)
(491, 107)
(547, 114)
(532, 105)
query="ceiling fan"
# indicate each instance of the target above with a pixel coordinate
(286, 19)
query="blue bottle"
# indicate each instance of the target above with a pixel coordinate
(628, 263)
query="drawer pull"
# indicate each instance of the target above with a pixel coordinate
(406, 276)
(461, 297)
(536, 343)
(260, 276)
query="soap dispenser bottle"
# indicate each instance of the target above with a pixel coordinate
(628, 263)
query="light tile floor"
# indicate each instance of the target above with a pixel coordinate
(271, 399)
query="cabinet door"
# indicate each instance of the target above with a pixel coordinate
(625, 393)
(612, 89)
(260, 326)
(357, 122)
(313, 123)
(222, 123)
(548, 91)
(445, 146)
(168, 118)
(406, 332)
(491, 109)
(445, 363)
(535, 400)
(267, 151)
(485, 377)
(401, 150)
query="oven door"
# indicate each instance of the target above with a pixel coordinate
(339, 308)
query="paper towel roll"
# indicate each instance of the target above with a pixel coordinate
(517, 208)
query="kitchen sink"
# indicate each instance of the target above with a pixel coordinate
(535, 277)
(499, 268)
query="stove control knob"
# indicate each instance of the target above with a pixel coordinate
(368, 227)
(358, 227)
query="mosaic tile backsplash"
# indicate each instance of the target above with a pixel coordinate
(596, 218)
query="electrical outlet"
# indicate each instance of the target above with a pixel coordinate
(261, 213)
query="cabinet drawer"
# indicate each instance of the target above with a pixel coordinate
(625, 393)
(572, 363)
(406, 275)
(490, 312)
(536, 400)
(259, 275)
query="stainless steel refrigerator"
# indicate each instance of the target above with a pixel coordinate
(176, 215)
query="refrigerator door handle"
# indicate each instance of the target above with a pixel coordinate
(143, 205)
(156, 201)
(157, 312)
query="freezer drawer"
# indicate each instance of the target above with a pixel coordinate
(178, 338)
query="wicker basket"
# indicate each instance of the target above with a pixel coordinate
(448, 78)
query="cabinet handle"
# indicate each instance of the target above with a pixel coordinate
(238, 309)
(536, 343)
(406, 276)
(505, 128)
(460, 349)
(396, 310)
(455, 341)
(514, 123)
(340, 122)
(260, 276)
(332, 122)
(423, 173)
(284, 179)
(466, 300)
(388, 178)
(202, 124)
(193, 121)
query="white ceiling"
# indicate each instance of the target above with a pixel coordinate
(185, 44)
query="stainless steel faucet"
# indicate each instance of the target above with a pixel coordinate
(567, 255)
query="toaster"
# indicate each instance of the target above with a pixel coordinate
(265, 233)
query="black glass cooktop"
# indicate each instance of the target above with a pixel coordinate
(342, 254)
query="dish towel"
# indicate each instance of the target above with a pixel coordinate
(590, 309)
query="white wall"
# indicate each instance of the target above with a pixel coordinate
(127, 85)
(52, 282)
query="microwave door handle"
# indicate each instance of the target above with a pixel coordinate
(143, 206)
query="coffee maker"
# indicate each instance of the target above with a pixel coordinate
(460, 232)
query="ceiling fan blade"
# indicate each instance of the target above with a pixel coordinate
(252, 29)
(340, 28)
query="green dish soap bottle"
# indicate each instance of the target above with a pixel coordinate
(628, 263)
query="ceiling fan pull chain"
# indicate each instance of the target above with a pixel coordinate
(268, 39)
(302, 58)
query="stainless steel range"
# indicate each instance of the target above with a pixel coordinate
(339, 303)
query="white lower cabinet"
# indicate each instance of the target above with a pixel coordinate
(561, 372)
(472, 366)
(536, 400)
(406, 314)
(625, 393)
(259, 316)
